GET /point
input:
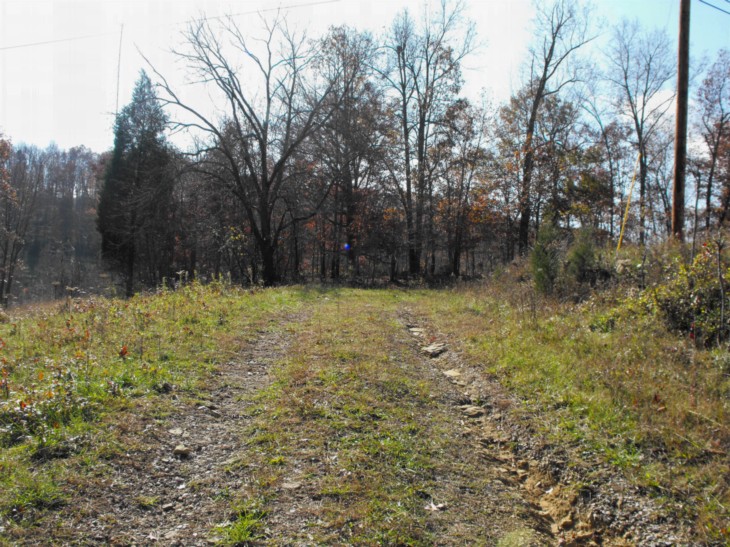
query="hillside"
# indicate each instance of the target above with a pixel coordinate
(305, 416)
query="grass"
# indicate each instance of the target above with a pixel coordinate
(347, 401)
(246, 525)
(349, 413)
(73, 373)
(639, 397)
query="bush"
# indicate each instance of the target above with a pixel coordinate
(545, 259)
(580, 263)
(693, 299)
(569, 273)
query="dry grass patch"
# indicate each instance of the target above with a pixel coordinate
(366, 443)
(628, 393)
(78, 375)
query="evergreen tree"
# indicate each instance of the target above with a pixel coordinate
(135, 214)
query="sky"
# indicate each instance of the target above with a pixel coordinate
(66, 65)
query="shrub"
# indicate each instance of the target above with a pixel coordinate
(580, 263)
(545, 259)
(693, 299)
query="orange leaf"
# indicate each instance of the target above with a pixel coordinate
(123, 352)
(40, 376)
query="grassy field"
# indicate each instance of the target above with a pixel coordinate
(646, 401)
(351, 417)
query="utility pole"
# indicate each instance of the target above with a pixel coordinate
(119, 66)
(680, 135)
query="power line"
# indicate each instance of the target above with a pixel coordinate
(119, 64)
(713, 6)
(60, 40)
(252, 12)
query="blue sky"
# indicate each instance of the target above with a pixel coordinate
(66, 91)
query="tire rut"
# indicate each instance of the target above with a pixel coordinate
(174, 484)
(484, 407)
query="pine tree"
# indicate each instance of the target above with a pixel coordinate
(135, 205)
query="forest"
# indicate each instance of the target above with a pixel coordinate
(245, 323)
(356, 157)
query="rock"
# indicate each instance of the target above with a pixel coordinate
(472, 411)
(291, 485)
(182, 451)
(165, 387)
(417, 332)
(177, 431)
(434, 350)
(577, 540)
(488, 441)
(168, 507)
(566, 523)
(453, 373)
(210, 409)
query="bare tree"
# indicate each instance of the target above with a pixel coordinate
(423, 71)
(641, 67)
(713, 98)
(349, 144)
(18, 192)
(273, 102)
(462, 155)
(612, 136)
(563, 27)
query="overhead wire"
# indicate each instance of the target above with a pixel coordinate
(213, 18)
(713, 6)
(60, 40)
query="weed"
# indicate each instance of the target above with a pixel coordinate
(147, 502)
(246, 524)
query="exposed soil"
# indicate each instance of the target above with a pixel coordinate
(173, 485)
(582, 500)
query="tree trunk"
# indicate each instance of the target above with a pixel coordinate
(268, 260)
(643, 170)
(129, 271)
(525, 192)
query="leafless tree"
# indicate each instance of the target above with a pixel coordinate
(349, 144)
(272, 101)
(18, 193)
(641, 67)
(562, 28)
(462, 155)
(423, 71)
(713, 98)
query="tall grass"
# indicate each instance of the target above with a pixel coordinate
(645, 399)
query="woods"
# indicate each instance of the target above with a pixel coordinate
(358, 157)
(321, 290)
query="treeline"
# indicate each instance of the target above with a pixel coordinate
(48, 240)
(354, 156)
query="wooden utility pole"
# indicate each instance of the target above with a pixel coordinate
(680, 135)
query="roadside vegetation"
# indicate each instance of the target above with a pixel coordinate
(74, 372)
(351, 430)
